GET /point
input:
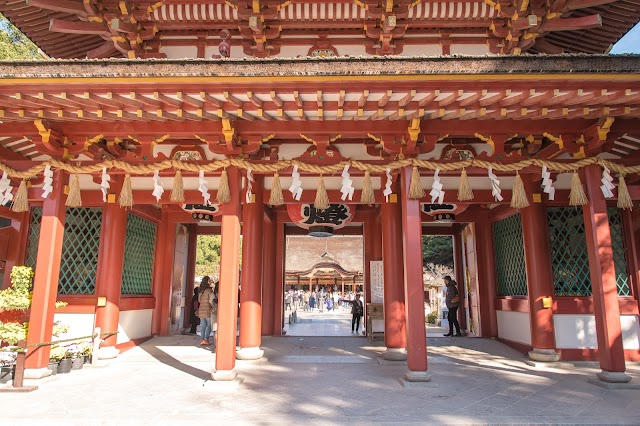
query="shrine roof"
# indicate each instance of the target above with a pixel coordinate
(303, 254)
(342, 66)
(139, 28)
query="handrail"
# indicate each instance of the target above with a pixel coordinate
(41, 344)
(22, 348)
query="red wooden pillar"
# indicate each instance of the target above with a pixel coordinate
(459, 277)
(395, 333)
(537, 258)
(413, 284)
(228, 286)
(45, 286)
(486, 275)
(603, 281)
(109, 274)
(18, 245)
(191, 272)
(268, 279)
(278, 318)
(162, 275)
(251, 292)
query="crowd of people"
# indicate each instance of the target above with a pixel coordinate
(310, 300)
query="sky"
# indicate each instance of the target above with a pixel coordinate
(630, 43)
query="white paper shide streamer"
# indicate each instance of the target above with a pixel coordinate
(495, 186)
(5, 189)
(607, 183)
(547, 183)
(158, 190)
(104, 184)
(437, 194)
(387, 186)
(249, 194)
(296, 184)
(203, 188)
(347, 189)
(47, 186)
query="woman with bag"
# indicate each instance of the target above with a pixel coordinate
(204, 310)
(453, 301)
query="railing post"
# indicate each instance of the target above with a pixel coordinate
(96, 346)
(18, 375)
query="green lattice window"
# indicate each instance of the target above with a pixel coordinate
(509, 257)
(619, 258)
(34, 236)
(138, 256)
(569, 257)
(80, 251)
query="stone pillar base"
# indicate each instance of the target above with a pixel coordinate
(544, 355)
(36, 373)
(108, 352)
(417, 376)
(249, 353)
(613, 377)
(395, 354)
(224, 375)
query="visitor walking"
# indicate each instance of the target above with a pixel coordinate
(193, 315)
(357, 309)
(452, 300)
(205, 297)
(312, 301)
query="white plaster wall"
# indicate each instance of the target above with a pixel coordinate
(630, 331)
(79, 325)
(575, 331)
(134, 325)
(514, 326)
(579, 331)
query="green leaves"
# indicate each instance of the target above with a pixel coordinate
(14, 45)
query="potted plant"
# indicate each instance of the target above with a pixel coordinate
(85, 351)
(7, 366)
(77, 360)
(55, 356)
(66, 362)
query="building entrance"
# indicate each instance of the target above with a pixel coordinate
(322, 278)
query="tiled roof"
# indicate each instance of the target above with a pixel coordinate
(454, 65)
(303, 253)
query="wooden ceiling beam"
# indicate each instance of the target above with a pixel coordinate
(70, 27)
(66, 6)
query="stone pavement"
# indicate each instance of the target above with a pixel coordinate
(323, 381)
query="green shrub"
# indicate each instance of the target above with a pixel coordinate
(13, 332)
(432, 317)
(18, 296)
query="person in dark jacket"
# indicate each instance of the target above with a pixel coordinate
(453, 301)
(357, 310)
(193, 315)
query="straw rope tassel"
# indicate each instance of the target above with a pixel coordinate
(74, 199)
(465, 193)
(577, 197)
(224, 193)
(624, 198)
(21, 202)
(177, 192)
(367, 196)
(275, 197)
(322, 198)
(518, 194)
(415, 188)
(126, 194)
